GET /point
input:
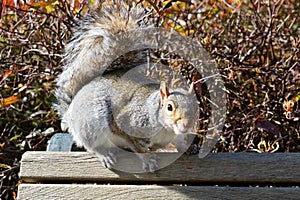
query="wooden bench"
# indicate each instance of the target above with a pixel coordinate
(79, 175)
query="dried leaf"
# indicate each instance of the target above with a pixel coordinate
(268, 126)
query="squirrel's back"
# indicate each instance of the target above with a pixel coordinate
(97, 41)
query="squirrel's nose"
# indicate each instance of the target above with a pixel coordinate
(183, 125)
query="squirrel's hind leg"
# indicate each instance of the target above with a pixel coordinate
(106, 152)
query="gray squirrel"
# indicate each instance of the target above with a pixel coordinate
(104, 110)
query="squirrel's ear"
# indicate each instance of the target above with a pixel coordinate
(164, 91)
(191, 89)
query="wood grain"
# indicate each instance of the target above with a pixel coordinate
(111, 192)
(219, 168)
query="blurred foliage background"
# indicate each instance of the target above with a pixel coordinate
(255, 45)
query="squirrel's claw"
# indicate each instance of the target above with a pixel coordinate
(149, 162)
(108, 160)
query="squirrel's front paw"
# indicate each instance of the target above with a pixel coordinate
(149, 162)
(108, 160)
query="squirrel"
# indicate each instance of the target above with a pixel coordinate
(104, 110)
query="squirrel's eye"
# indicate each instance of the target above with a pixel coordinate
(170, 107)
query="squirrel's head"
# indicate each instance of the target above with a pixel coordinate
(179, 109)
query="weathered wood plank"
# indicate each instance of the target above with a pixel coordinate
(220, 168)
(70, 192)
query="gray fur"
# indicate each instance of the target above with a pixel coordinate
(103, 109)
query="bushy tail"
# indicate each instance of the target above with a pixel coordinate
(97, 41)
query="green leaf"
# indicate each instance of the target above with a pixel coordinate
(14, 138)
(4, 166)
(297, 97)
